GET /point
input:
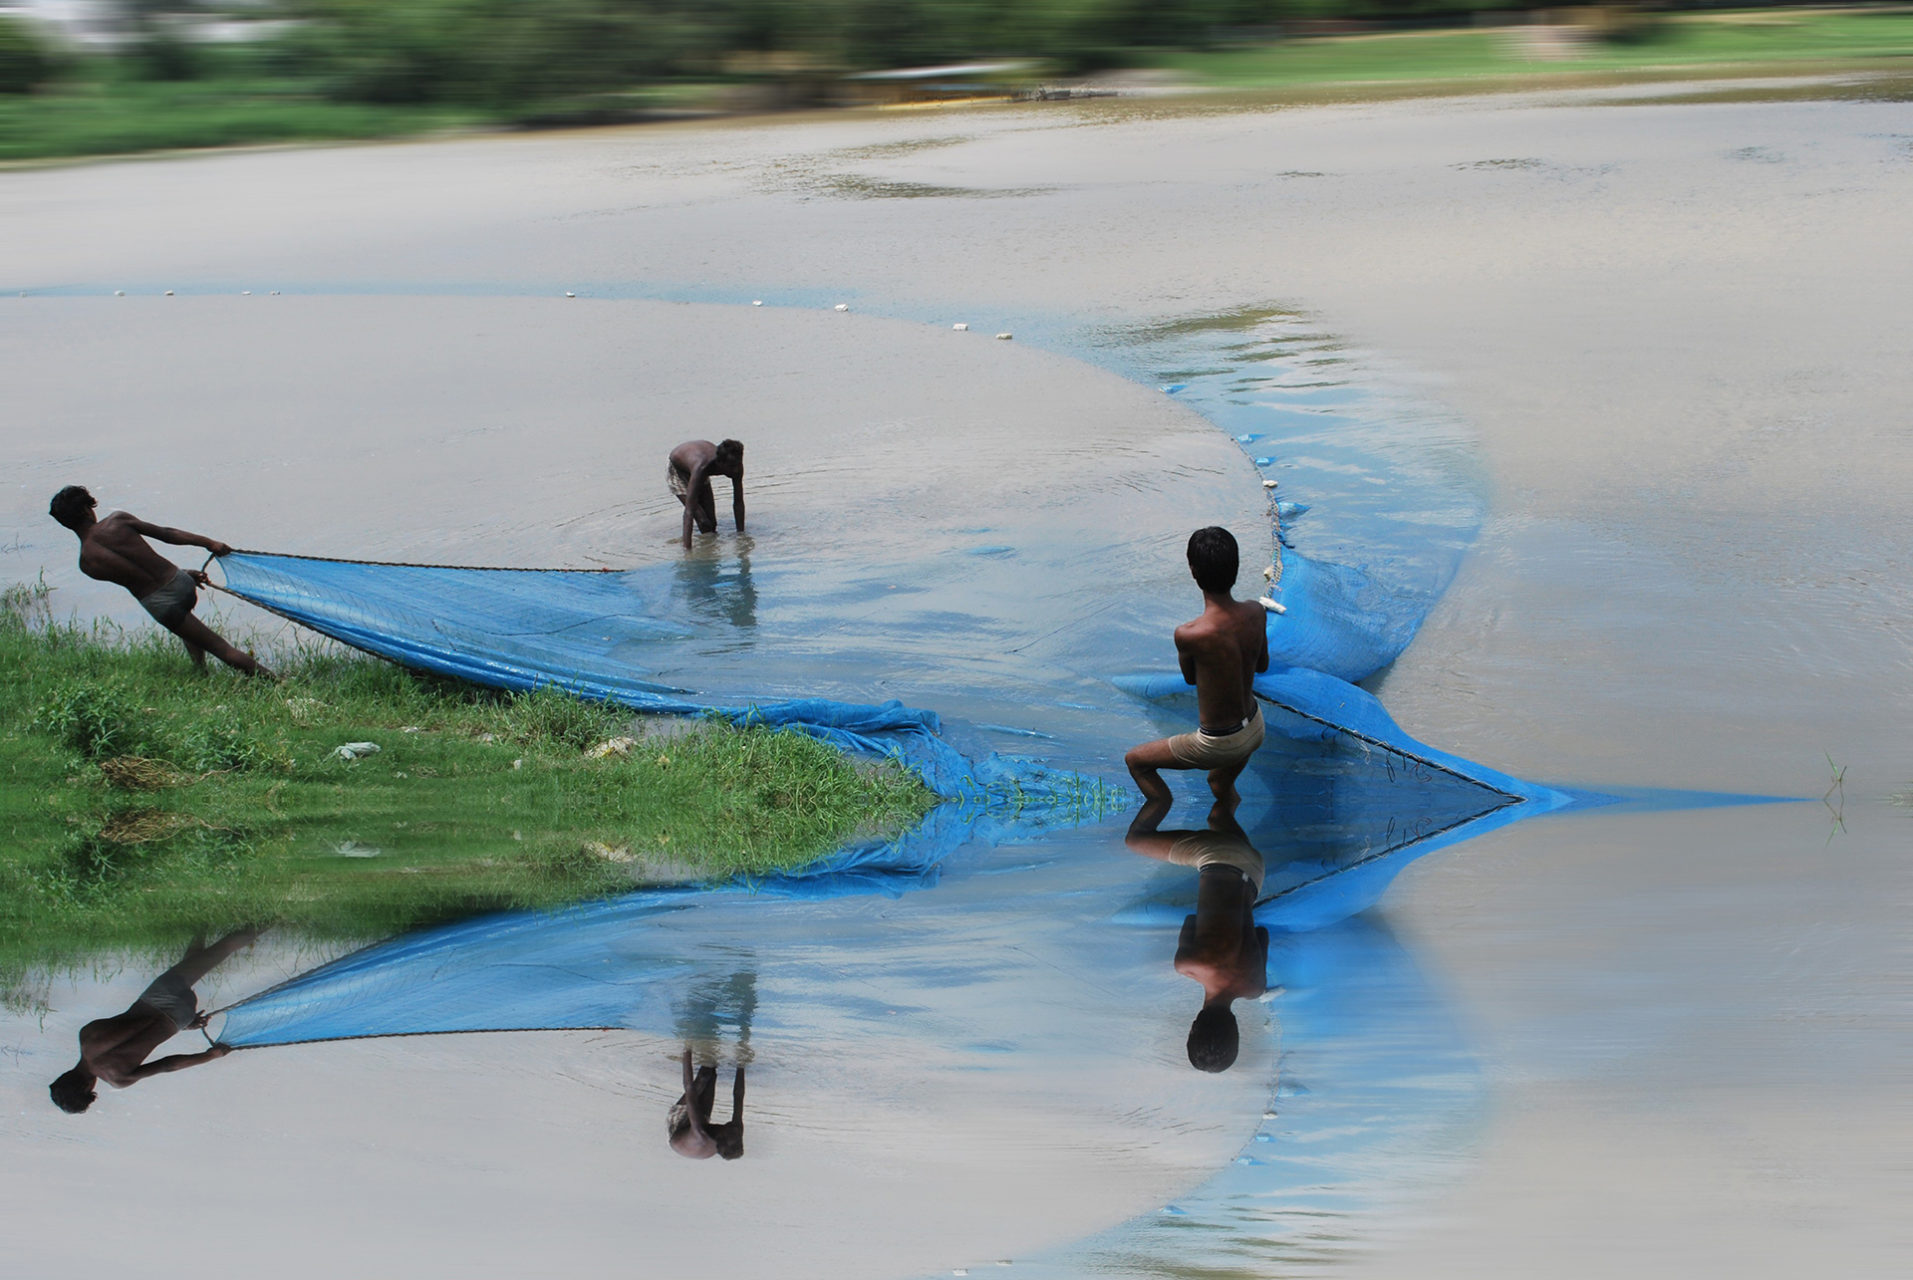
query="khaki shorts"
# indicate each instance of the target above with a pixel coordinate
(1201, 750)
(674, 480)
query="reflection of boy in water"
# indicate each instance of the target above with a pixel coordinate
(689, 1124)
(1220, 654)
(1220, 946)
(114, 1049)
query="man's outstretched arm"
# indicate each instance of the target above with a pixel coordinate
(737, 1096)
(737, 498)
(178, 1062)
(179, 537)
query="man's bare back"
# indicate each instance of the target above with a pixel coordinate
(1220, 653)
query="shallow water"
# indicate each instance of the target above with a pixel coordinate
(1652, 1040)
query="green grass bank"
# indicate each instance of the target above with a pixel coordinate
(149, 801)
(105, 106)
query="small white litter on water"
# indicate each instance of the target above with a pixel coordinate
(1270, 484)
(169, 293)
(1004, 337)
(119, 293)
(960, 327)
(570, 294)
(355, 750)
(757, 302)
(1273, 606)
(245, 293)
(273, 294)
(1268, 574)
(1268, 1115)
(843, 306)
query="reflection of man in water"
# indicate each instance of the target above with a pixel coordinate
(689, 1124)
(114, 1049)
(1221, 946)
(688, 472)
(712, 1011)
(1220, 653)
(114, 550)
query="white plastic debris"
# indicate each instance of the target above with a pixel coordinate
(169, 293)
(1268, 574)
(757, 302)
(1004, 337)
(843, 306)
(1270, 484)
(356, 750)
(519, 763)
(274, 293)
(1272, 605)
(413, 728)
(353, 849)
(119, 293)
(608, 852)
(960, 327)
(611, 747)
(570, 294)
(245, 293)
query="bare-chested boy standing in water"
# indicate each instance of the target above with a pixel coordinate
(1220, 653)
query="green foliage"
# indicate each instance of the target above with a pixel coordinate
(146, 801)
(25, 60)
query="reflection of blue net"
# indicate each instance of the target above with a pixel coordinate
(580, 631)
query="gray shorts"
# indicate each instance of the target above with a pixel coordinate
(173, 996)
(173, 601)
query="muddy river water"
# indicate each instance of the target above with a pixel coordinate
(1606, 405)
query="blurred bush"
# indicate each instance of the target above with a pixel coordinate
(26, 61)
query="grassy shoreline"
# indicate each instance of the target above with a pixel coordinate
(102, 115)
(150, 802)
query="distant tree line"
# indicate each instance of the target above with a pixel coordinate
(510, 53)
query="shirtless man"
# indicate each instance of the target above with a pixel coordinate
(1220, 654)
(1221, 946)
(689, 1124)
(115, 550)
(114, 1049)
(688, 472)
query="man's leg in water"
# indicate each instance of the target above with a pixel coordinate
(201, 640)
(1222, 784)
(1144, 764)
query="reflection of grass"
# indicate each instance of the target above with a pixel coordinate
(1765, 39)
(147, 802)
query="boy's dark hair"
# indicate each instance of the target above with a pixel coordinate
(1214, 1039)
(71, 505)
(729, 453)
(1213, 558)
(73, 1092)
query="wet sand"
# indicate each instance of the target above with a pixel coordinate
(1680, 332)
